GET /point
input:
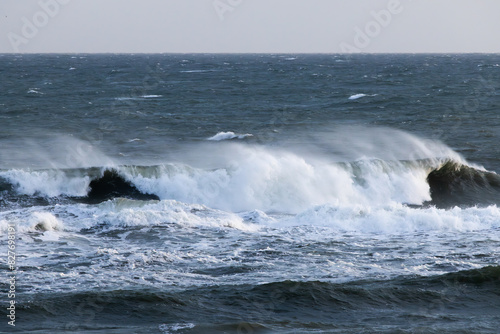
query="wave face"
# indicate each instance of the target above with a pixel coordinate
(112, 185)
(455, 184)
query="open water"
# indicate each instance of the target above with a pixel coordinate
(251, 193)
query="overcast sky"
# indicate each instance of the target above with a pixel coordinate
(270, 26)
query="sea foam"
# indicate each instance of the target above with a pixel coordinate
(228, 135)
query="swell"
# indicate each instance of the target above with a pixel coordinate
(465, 298)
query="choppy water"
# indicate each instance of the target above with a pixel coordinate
(252, 193)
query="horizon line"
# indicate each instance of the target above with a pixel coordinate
(252, 53)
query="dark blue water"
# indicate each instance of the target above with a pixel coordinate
(252, 193)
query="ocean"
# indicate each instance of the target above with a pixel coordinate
(192, 193)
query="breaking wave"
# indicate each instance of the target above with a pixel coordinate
(271, 182)
(228, 135)
(423, 185)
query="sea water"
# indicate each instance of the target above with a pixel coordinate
(251, 193)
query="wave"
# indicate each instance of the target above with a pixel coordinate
(34, 91)
(269, 181)
(466, 299)
(151, 96)
(117, 215)
(125, 98)
(360, 95)
(197, 71)
(348, 171)
(485, 276)
(228, 135)
(122, 214)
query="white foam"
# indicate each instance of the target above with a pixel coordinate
(151, 96)
(31, 220)
(396, 218)
(45, 221)
(280, 181)
(174, 328)
(360, 95)
(228, 135)
(35, 91)
(49, 183)
(196, 71)
(49, 236)
(257, 217)
(120, 213)
(125, 98)
(356, 96)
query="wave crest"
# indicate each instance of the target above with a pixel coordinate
(229, 135)
(271, 181)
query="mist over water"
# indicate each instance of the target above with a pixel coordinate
(215, 192)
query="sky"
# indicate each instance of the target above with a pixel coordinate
(249, 26)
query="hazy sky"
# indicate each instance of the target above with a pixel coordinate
(273, 26)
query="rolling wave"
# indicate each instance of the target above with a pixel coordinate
(286, 183)
(228, 136)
